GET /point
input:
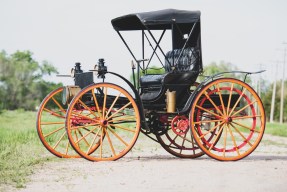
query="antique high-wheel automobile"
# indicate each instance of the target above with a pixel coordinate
(220, 116)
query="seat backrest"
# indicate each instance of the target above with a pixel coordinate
(187, 61)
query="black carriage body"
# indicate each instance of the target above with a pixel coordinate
(84, 79)
(182, 62)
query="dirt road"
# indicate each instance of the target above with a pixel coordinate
(149, 168)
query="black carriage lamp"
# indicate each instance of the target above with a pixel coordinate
(76, 69)
(101, 68)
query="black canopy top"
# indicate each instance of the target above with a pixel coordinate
(161, 19)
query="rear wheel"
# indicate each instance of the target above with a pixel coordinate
(51, 125)
(108, 119)
(178, 139)
(236, 112)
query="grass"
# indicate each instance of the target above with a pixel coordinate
(20, 147)
(276, 129)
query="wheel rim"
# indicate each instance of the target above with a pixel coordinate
(239, 116)
(108, 119)
(51, 125)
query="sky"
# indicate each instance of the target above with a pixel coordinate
(246, 33)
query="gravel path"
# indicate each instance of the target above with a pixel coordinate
(149, 168)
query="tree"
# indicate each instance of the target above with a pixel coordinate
(21, 80)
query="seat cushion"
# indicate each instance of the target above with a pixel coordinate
(153, 79)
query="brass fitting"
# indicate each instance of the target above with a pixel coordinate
(170, 101)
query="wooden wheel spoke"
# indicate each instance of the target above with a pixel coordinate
(86, 107)
(84, 116)
(243, 108)
(84, 126)
(67, 147)
(183, 141)
(211, 101)
(53, 113)
(219, 133)
(94, 139)
(184, 138)
(105, 100)
(110, 142)
(208, 111)
(192, 143)
(58, 104)
(121, 127)
(192, 140)
(244, 126)
(224, 140)
(207, 121)
(60, 128)
(245, 140)
(52, 123)
(76, 135)
(221, 100)
(84, 136)
(114, 120)
(212, 129)
(62, 136)
(114, 102)
(96, 101)
(229, 98)
(237, 101)
(233, 139)
(118, 115)
(115, 134)
(173, 140)
(246, 117)
(101, 143)
(119, 110)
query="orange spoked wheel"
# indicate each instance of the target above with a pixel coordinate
(178, 139)
(51, 125)
(233, 108)
(108, 119)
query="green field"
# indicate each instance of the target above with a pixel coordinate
(21, 149)
(276, 129)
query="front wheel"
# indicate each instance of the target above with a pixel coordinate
(234, 109)
(103, 118)
(51, 125)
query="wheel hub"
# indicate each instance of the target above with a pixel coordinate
(180, 125)
(103, 122)
(228, 120)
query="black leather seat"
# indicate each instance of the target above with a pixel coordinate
(183, 71)
(153, 79)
